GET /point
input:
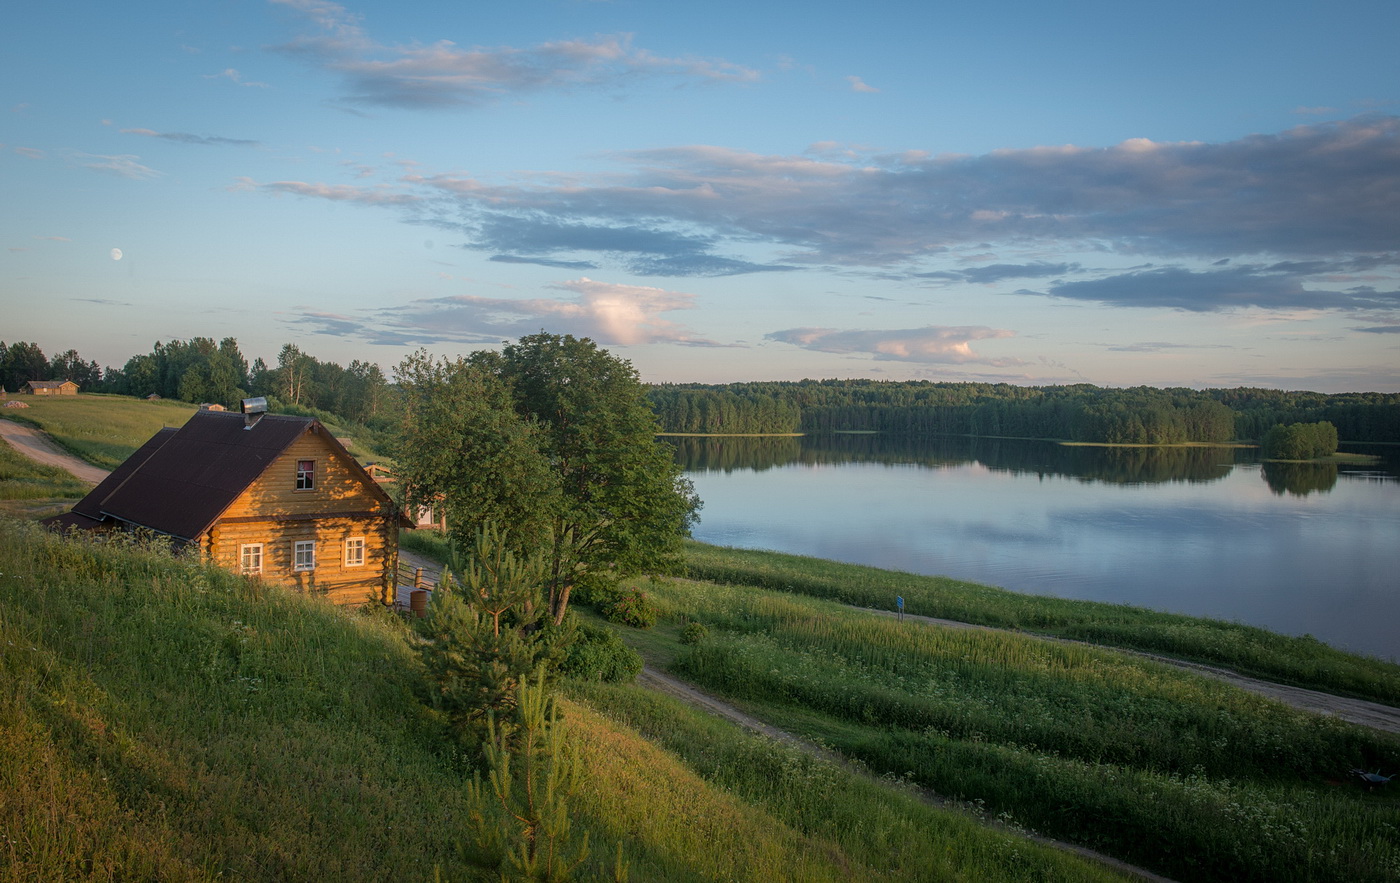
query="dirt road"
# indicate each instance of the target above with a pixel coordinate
(36, 446)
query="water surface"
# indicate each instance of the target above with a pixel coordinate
(1211, 532)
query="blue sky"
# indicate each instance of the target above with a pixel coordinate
(1187, 194)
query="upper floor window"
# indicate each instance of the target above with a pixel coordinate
(306, 475)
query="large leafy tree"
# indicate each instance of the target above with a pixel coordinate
(617, 504)
(625, 505)
(466, 452)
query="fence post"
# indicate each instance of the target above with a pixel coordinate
(418, 577)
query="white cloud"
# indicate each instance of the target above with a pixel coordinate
(931, 344)
(859, 85)
(443, 74)
(612, 314)
(125, 165)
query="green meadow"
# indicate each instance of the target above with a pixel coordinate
(1168, 770)
(101, 429)
(162, 720)
(168, 721)
(1301, 661)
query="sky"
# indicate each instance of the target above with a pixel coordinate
(1195, 194)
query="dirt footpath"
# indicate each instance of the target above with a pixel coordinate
(664, 683)
(36, 446)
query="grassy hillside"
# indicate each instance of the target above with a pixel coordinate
(101, 429)
(104, 429)
(31, 490)
(165, 721)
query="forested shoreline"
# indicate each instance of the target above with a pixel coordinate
(1079, 412)
(203, 370)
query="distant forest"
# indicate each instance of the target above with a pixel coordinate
(1079, 412)
(203, 370)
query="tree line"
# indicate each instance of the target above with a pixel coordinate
(1078, 412)
(202, 370)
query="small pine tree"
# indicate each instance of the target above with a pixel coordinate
(520, 810)
(486, 633)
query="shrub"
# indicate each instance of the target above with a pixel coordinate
(632, 608)
(598, 654)
(694, 633)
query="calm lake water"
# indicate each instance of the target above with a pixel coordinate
(1205, 531)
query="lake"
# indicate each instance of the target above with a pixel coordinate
(1295, 548)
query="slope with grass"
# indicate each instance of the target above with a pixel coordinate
(163, 720)
(101, 429)
(1186, 776)
(33, 490)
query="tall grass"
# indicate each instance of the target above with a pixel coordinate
(1301, 661)
(885, 831)
(164, 720)
(1182, 774)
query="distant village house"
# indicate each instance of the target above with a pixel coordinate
(49, 388)
(262, 494)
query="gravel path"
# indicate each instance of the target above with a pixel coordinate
(36, 446)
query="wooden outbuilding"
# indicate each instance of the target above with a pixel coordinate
(261, 494)
(49, 388)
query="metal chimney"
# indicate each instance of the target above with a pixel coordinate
(253, 409)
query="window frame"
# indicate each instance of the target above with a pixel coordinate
(358, 544)
(303, 556)
(247, 551)
(306, 478)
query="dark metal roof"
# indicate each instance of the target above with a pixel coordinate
(188, 481)
(180, 481)
(90, 506)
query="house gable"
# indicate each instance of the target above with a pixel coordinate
(230, 487)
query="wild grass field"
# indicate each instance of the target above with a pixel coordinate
(105, 429)
(32, 490)
(1186, 776)
(164, 720)
(1301, 661)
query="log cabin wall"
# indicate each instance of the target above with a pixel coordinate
(277, 511)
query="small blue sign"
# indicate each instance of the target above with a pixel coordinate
(899, 601)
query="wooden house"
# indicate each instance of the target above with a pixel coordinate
(49, 388)
(261, 494)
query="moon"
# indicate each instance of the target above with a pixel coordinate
(116, 254)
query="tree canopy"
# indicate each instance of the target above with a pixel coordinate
(553, 440)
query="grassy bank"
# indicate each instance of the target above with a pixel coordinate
(161, 720)
(1301, 661)
(101, 429)
(1184, 775)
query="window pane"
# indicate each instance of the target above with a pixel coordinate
(250, 558)
(355, 552)
(306, 475)
(304, 556)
